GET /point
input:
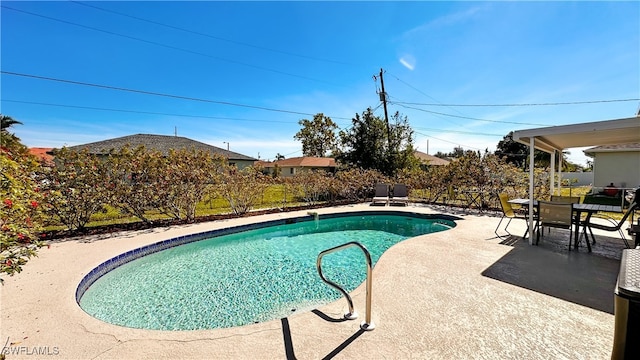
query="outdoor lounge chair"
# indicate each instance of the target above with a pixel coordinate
(510, 213)
(400, 194)
(381, 195)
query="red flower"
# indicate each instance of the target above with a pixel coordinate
(34, 204)
(8, 262)
(9, 203)
(20, 236)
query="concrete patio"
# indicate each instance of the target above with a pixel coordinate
(457, 294)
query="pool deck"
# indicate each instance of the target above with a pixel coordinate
(457, 294)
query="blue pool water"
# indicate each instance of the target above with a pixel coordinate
(246, 277)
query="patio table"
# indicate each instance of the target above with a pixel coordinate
(590, 209)
(578, 210)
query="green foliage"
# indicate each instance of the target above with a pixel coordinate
(368, 144)
(7, 139)
(133, 180)
(20, 206)
(317, 136)
(75, 187)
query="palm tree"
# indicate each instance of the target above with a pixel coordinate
(7, 121)
(6, 138)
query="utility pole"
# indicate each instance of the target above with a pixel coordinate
(383, 98)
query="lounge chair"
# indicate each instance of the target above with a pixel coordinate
(400, 194)
(381, 195)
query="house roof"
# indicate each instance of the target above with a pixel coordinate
(162, 143)
(613, 148)
(305, 161)
(42, 154)
(430, 159)
(598, 133)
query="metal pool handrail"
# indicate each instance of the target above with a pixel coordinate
(352, 314)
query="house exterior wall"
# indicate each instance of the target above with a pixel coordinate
(581, 178)
(620, 168)
(241, 164)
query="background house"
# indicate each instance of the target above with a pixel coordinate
(42, 154)
(430, 160)
(617, 164)
(163, 144)
(292, 166)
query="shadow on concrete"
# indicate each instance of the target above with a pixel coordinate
(344, 345)
(288, 341)
(579, 277)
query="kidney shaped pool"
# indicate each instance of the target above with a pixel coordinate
(246, 274)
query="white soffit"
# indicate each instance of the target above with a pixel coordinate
(607, 132)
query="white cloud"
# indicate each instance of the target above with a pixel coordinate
(408, 61)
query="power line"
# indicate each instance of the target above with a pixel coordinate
(167, 46)
(524, 104)
(139, 111)
(156, 93)
(467, 117)
(447, 141)
(208, 35)
(461, 132)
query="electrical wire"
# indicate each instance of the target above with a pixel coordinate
(524, 104)
(141, 112)
(447, 141)
(209, 35)
(468, 117)
(168, 46)
(156, 93)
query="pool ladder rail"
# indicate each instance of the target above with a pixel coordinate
(367, 324)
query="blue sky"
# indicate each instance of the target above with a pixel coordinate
(242, 74)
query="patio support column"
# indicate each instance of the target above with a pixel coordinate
(552, 178)
(532, 143)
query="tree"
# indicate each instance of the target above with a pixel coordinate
(518, 154)
(317, 136)
(8, 139)
(367, 146)
(7, 121)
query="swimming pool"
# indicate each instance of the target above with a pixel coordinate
(243, 275)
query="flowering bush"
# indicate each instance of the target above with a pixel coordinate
(75, 187)
(242, 188)
(185, 178)
(20, 208)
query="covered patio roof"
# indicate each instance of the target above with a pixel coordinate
(557, 138)
(607, 132)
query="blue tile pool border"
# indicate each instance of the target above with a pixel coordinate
(137, 253)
